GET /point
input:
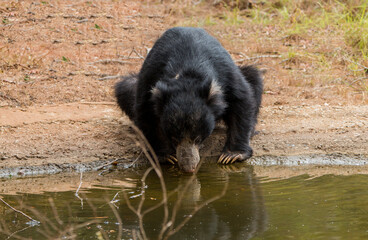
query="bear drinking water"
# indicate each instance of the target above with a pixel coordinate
(187, 83)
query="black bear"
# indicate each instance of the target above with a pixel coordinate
(187, 83)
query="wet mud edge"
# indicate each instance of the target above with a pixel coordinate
(265, 160)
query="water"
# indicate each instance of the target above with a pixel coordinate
(252, 207)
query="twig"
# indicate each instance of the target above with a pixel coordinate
(358, 79)
(257, 57)
(98, 103)
(113, 201)
(134, 16)
(181, 194)
(138, 211)
(167, 229)
(109, 163)
(143, 191)
(107, 61)
(109, 77)
(9, 98)
(83, 20)
(350, 84)
(152, 158)
(139, 155)
(136, 235)
(167, 224)
(18, 211)
(365, 68)
(137, 53)
(155, 16)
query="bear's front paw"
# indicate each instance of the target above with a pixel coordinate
(231, 157)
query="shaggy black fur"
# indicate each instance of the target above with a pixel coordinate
(187, 83)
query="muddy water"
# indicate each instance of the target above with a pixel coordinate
(218, 203)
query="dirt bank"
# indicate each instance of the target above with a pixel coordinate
(59, 136)
(59, 62)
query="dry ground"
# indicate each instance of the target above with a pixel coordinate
(60, 59)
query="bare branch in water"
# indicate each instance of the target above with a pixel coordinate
(18, 211)
(138, 211)
(153, 159)
(168, 225)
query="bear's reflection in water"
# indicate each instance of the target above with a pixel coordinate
(238, 214)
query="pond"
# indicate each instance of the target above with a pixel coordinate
(220, 202)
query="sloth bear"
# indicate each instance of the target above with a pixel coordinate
(187, 83)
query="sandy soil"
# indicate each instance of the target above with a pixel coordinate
(85, 132)
(59, 62)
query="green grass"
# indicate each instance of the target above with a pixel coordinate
(349, 16)
(328, 39)
(65, 59)
(232, 17)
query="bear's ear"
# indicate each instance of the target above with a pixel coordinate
(215, 97)
(158, 96)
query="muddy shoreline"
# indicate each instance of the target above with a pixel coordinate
(67, 177)
(332, 160)
(80, 137)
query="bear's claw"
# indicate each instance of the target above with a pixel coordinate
(228, 158)
(171, 159)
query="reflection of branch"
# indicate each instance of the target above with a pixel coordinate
(56, 215)
(5, 230)
(21, 230)
(18, 211)
(76, 193)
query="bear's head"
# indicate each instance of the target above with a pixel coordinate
(188, 110)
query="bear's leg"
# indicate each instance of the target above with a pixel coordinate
(254, 77)
(148, 123)
(240, 125)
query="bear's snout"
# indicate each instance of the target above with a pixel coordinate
(187, 154)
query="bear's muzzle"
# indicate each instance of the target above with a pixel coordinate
(187, 154)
